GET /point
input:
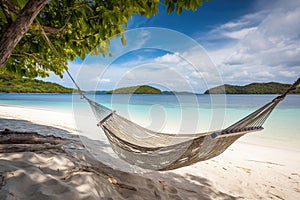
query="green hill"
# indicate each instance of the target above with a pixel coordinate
(140, 89)
(253, 88)
(10, 84)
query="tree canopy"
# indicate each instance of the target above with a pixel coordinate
(75, 28)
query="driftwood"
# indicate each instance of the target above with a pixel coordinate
(13, 141)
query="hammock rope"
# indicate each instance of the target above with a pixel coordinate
(161, 151)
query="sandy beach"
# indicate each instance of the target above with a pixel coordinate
(249, 169)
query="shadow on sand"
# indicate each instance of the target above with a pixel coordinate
(73, 173)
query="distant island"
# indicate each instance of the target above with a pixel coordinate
(253, 88)
(11, 84)
(140, 89)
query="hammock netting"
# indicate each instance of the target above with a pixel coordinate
(160, 151)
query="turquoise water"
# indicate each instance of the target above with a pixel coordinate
(180, 113)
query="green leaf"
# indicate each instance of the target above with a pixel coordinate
(170, 8)
(123, 39)
(178, 10)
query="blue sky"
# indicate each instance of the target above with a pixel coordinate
(246, 41)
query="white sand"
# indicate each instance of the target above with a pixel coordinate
(247, 170)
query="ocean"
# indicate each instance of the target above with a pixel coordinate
(184, 113)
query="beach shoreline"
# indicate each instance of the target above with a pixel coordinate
(249, 169)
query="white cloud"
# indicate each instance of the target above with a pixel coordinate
(168, 58)
(140, 39)
(100, 80)
(105, 80)
(236, 29)
(240, 34)
(266, 47)
(231, 25)
(265, 74)
(289, 74)
(238, 58)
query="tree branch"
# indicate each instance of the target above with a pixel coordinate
(11, 36)
(52, 30)
(10, 6)
(6, 11)
(35, 57)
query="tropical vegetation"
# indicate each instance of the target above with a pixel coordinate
(10, 84)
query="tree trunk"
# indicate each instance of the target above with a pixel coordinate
(15, 30)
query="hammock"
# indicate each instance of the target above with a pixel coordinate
(161, 151)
